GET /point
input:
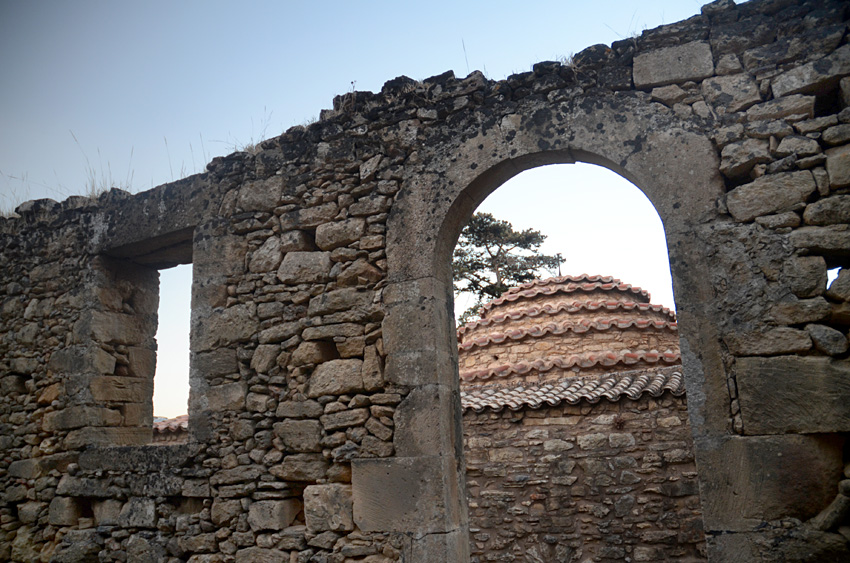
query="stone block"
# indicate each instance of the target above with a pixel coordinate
(796, 105)
(260, 555)
(769, 194)
(227, 397)
(359, 273)
(300, 435)
(799, 146)
(837, 135)
(63, 511)
(328, 508)
(421, 427)
(267, 258)
(309, 216)
(279, 332)
(215, 363)
(746, 481)
(348, 299)
(265, 357)
(340, 233)
(793, 394)
(336, 377)
(261, 195)
(134, 458)
(832, 240)
(142, 362)
(799, 311)
(827, 339)
(668, 65)
(118, 389)
(839, 289)
(299, 409)
(838, 166)
(108, 327)
(738, 159)
(273, 514)
(107, 436)
(29, 512)
(305, 267)
(223, 511)
(157, 485)
(815, 77)
(313, 353)
(782, 340)
(734, 93)
(415, 496)
(106, 512)
(828, 211)
(301, 467)
(223, 327)
(295, 241)
(138, 512)
(75, 486)
(218, 256)
(78, 416)
(344, 419)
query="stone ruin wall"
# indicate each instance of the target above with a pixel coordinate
(576, 434)
(600, 481)
(324, 412)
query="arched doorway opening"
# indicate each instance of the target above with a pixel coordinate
(576, 435)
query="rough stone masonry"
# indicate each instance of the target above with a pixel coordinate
(324, 413)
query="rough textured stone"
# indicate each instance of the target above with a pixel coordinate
(827, 339)
(799, 146)
(734, 93)
(775, 341)
(305, 267)
(739, 158)
(839, 289)
(342, 233)
(273, 514)
(837, 135)
(668, 65)
(838, 166)
(266, 258)
(328, 508)
(828, 211)
(770, 194)
(336, 377)
(300, 435)
(796, 105)
(814, 77)
(793, 394)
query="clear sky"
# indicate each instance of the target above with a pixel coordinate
(136, 94)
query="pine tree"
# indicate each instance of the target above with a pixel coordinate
(491, 256)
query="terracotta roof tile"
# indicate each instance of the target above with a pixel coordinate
(172, 425)
(610, 386)
(563, 288)
(588, 360)
(581, 278)
(574, 307)
(562, 328)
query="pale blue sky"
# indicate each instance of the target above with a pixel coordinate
(152, 90)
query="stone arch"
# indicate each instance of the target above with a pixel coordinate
(676, 168)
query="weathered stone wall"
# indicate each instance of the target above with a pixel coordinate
(323, 369)
(601, 482)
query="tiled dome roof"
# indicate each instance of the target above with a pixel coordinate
(568, 338)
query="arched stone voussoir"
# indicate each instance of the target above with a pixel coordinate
(672, 161)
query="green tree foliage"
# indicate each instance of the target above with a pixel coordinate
(491, 257)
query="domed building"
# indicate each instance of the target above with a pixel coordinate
(577, 441)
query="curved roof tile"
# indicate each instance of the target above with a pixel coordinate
(610, 386)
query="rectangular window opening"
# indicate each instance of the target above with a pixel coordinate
(171, 378)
